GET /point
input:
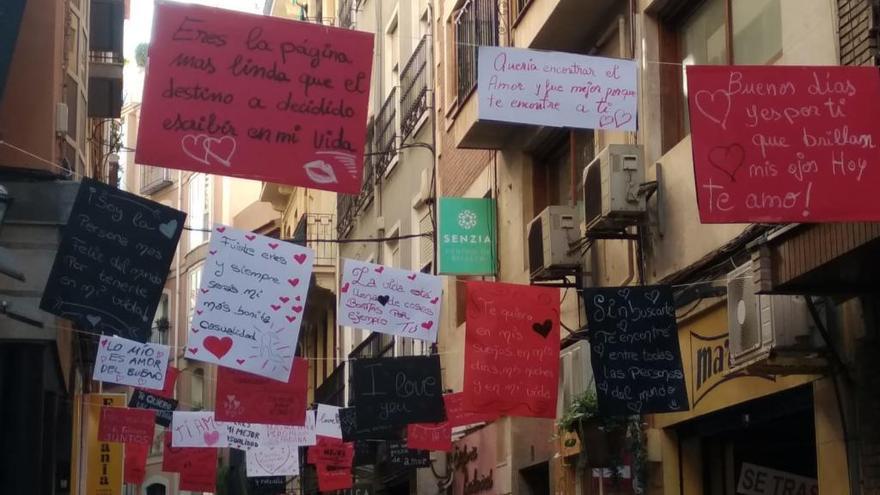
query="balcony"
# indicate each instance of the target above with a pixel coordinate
(154, 179)
(105, 59)
(562, 25)
(315, 231)
(346, 14)
(332, 390)
(385, 137)
(414, 89)
(348, 205)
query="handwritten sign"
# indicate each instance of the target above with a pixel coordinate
(123, 425)
(170, 380)
(198, 472)
(268, 485)
(250, 398)
(197, 429)
(634, 349)
(112, 262)
(256, 97)
(352, 431)
(397, 391)
(556, 89)
(333, 478)
(250, 436)
(327, 421)
(282, 460)
(474, 460)
(162, 406)
(511, 349)
(331, 452)
(429, 436)
(390, 300)
(135, 466)
(250, 305)
(174, 459)
(785, 144)
(244, 436)
(456, 415)
(129, 362)
(401, 455)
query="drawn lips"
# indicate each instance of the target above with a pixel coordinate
(320, 172)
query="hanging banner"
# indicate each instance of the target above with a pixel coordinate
(244, 397)
(198, 470)
(474, 460)
(123, 425)
(466, 236)
(129, 362)
(197, 429)
(251, 436)
(402, 456)
(176, 459)
(256, 97)
(327, 421)
(397, 391)
(429, 436)
(104, 460)
(556, 89)
(511, 349)
(389, 300)
(330, 478)
(331, 452)
(456, 415)
(352, 431)
(267, 485)
(273, 461)
(112, 262)
(250, 305)
(779, 144)
(160, 405)
(634, 350)
(135, 463)
(170, 380)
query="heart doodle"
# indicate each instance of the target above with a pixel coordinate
(221, 229)
(728, 159)
(283, 299)
(652, 296)
(212, 252)
(383, 300)
(169, 228)
(194, 329)
(291, 319)
(543, 329)
(411, 276)
(605, 121)
(599, 349)
(94, 320)
(193, 350)
(297, 309)
(273, 245)
(250, 237)
(621, 118)
(103, 342)
(204, 291)
(211, 437)
(715, 105)
(434, 301)
(624, 293)
(240, 361)
(297, 298)
(427, 325)
(220, 149)
(273, 459)
(293, 281)
(194, 147)
(344, 288)
(379, 269)
(218, 347)
(300, 258)
(199, 311)
(622, 325)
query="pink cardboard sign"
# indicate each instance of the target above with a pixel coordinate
(255, 97)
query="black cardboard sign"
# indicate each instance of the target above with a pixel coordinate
(398, 391)
(401, 455)
(164, 407)
(112, 262)
(634, 347)
(266, 485)
(357, 489)
(351, 431)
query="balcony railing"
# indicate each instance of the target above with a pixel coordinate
(332, 390)
(414, 89)
(346, 14)
(476, 24)
(348, 205)
(313, 230)
(154, 179)
(385, 138)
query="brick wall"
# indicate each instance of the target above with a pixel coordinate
(858, 44)
(458, 168)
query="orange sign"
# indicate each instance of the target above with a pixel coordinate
(103, 459)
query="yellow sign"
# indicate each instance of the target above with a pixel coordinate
(103, 459)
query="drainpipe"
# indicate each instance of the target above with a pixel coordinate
(429, 59)
(177, 276)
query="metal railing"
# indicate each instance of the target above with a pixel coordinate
(332, 390)
(346, 14)
(476, 24)
(518, 7)
(101, 57)
(348, 205)
(154, 179)
(385, 137)
(311, 231)
(414, 88)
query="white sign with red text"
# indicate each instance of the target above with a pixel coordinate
(556, 89)
(390, 300)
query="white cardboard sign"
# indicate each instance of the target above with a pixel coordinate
(390, 300)
(282, 460)
(760, 480)
(327, 421)
(197, 429)
(556, 89)
(128, 362)
(252, 436)
(250, 305)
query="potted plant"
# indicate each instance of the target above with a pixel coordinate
(602, 438)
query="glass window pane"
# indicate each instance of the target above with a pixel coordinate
(757, 31)
(703, 42)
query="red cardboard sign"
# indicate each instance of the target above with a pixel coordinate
(135, 467)
(331, 478)
(256, 97)
(123, 425)
(199, 470)
(429, 436)
(457, 416)
(785, 143)
(511, 349)
(246, 398)
(170, 380)
(331, 452)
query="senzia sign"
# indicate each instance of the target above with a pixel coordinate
(466, 236)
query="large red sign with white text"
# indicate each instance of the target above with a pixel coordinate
(784, 143)
(255, 97)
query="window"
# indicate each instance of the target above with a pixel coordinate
(717, 32)
(197, 393)
(556, 181)
(161, 322)
(392, 249)
(476, 24)
(199, 209)
(195, 282)
(392, 52)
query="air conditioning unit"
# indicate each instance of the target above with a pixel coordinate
(576, 374)
(772, 334)
(550, 237)
(611, 188)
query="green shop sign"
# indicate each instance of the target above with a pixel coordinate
(466, 236)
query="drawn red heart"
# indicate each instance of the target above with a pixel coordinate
(199, 311)
(211, 437)
(427, 325)
(300, 258)
(297, 298)
(283, 299)
(220, 149)
(298, 309)
(103, 342)
(250, 237)
(218, 347)
(379, 269)
(273, 245)
(293, 281)
(291, 319)
(411, 277)
(213, 251)
(204, 291)
(275, 307)
(240, 361)
(621, 118)
(434, 301)
(714, 105)
(727, 159)
(221, 229)
(193, 350)
(344, 288)
(194, 329)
